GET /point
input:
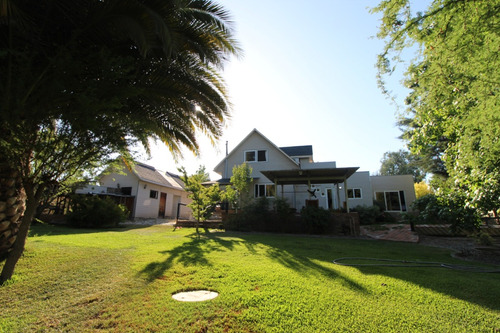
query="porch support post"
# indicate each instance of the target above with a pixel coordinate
(338, 197)
(345, 193)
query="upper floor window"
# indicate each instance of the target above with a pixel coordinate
(354, 193)
(255, 155)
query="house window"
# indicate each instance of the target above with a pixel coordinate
(127, 190)
(394, 201)
(256, 156)
(264, 190)
(153, 194)
(354, 193)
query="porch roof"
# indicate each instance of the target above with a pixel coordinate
(309, 176)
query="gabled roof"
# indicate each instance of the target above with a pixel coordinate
(150, 174)
(176, 178)
(245, 139)
(296, 151)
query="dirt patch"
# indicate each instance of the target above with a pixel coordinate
(464, 248)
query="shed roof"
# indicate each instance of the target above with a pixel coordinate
(309, 176)
(298, 150)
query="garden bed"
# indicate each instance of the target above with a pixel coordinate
(445, 230)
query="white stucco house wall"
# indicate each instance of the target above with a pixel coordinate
(292, 173)
(146, 191)
(395, 193)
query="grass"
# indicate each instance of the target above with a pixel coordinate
(122, 280)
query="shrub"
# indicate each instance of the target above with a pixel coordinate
(483, 238)
(446, 209)
(316, 219)
(367, 214)
(95, 212)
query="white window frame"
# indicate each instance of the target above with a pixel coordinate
(153, 194)
(256, 155)
(354, 193)
(269, 187)
(402, 205)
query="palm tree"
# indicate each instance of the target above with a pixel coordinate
(111, 72)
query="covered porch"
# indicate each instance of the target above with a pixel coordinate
(312, 177)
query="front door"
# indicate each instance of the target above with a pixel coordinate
(329, 196)
(163, 202)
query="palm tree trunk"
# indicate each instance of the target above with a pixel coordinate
(17, 248)
(12, 207)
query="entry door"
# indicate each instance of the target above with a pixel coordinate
(329, 198)
(163, 202)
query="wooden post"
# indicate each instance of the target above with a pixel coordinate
(338, 197)
(345, 194)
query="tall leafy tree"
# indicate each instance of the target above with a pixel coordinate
(452, 119)
(105, 72)
(401, 162)
(204, 198)
(241, 180)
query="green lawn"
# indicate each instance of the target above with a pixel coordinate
(122, 281)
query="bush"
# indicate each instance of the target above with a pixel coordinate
(95, 212)
(483, 238)
(367, 214)
(449, 209)
(258, 216)
(316, 219)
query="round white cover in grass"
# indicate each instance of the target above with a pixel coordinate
(195, 296)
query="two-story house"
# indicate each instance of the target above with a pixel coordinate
(291, 173)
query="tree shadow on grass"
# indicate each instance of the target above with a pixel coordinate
(45, 229)
(194, 253)
(314, 255)
(190, 253)
(302, 253)
(465, 284)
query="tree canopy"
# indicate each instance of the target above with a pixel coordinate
(452, 118)
(241, 180)
(204, 198)
(401, 163)
(92, 77)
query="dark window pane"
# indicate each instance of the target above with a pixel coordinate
(262, 156)
(392, 201)
(379, 197)
(403, 200)
(250, 156)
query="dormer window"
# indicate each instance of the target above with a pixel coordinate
(256, 156)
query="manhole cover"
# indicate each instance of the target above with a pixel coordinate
(195, 296)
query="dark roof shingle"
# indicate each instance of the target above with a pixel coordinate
(298, 150)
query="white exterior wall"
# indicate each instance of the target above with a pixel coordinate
(318, 165)
(395, 184)
(360, 180)
(276, 160)
(128, 179)
(144, 206)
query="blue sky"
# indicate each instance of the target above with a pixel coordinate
(307, 77)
